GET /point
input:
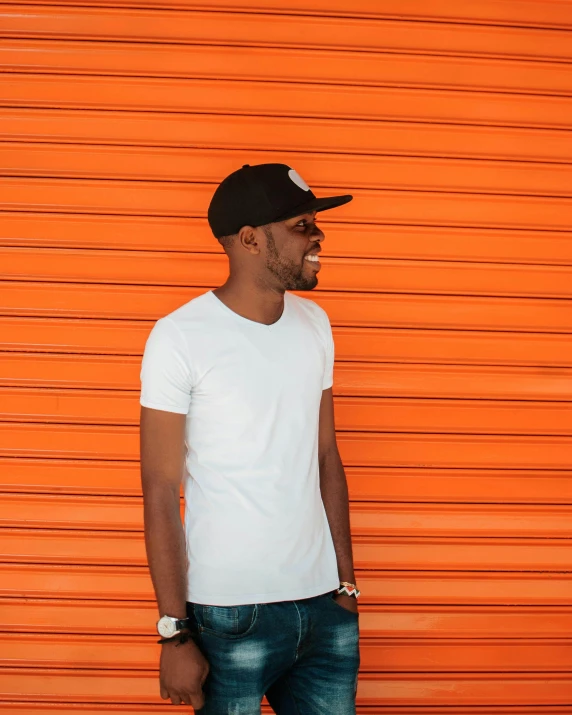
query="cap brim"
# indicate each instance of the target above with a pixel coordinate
(323, 204)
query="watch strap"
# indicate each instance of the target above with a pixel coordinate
(180, 638)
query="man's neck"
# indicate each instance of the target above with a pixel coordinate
(253, 303)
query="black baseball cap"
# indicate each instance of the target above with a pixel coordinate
(261, 194)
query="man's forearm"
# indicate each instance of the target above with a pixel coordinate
(166, 550)
(334, 489)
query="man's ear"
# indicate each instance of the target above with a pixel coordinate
(248, 239)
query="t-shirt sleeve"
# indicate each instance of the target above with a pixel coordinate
(165, 371)
(329, 366)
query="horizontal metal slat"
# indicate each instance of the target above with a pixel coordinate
(509, 12)
(388, 656)
(345, 274)
(121, 408)
(271, 64)
(510, 622)
(91, 584)
(97, 583)
(195, 26)
(33, 708)
(121, 443)
(193, 235)
(454, 691)
(90, 651)
(104, 548)
(405, 622)
(360, 379)
(141, 687)
(365, 414)
(293, 99)
(14, 707)
(368, 310)
(340, 171)
(391, 656)
(457, 521)
(367, 520)
(77, 336)
(246, 134)
(427, 484)
(363, 450)
(74, 685)
(505, 486)
(177, 199)
(108, 513)
(64, 547)
(55, 616)
(448, 416)
(463, 555)
(122, 337)
(55, 476)
(451, 381)
(106, 372)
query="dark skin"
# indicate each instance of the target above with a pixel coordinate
(264, 263)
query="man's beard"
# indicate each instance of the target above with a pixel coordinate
(290, 274)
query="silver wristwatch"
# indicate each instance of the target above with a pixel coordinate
(167, 626)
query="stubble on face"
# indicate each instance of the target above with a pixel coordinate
(290, 274)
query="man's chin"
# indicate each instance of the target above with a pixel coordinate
(305, 285)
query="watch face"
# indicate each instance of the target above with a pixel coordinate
(166, 627)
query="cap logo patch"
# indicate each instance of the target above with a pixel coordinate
(298, 180)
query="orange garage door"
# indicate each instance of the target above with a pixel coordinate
(447, 281)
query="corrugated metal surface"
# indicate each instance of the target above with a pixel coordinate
(448, 282)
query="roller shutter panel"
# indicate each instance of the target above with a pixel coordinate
(447, 281)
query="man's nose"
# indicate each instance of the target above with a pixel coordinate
(317, 234)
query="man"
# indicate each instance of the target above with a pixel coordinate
(257, 594)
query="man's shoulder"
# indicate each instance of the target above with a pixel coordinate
(309, 307)
(193, 311)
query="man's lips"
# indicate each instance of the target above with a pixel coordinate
(312, 259)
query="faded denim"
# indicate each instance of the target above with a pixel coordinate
(303, 655)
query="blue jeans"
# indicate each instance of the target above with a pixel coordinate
(303, 655)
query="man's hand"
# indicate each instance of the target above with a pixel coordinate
(183, 670)
(347, 602)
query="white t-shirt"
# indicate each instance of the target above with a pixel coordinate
(255, 524)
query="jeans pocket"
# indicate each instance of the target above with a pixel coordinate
(231, 622)
(336, 605)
